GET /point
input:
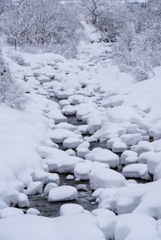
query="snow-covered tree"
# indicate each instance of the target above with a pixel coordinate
(19, 24)
(93, 9)
(112, 19)
(43, 24)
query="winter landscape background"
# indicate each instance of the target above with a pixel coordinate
(80, 120)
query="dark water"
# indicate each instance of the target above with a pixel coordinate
(48, 209)
(73, 120)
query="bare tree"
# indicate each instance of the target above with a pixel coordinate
(93, 9)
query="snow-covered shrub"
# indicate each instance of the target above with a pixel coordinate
(92, 10)
(11, 93)
(130, 53)
(18, 59)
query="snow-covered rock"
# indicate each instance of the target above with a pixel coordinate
(118, 147)
(76, 99)
(155, 130)
(64, 103)
(111, 141)
(49, 186)
(131, 139)
(33, 211)
(106, 178)
(53, 178)
(70, 209)
(42, 79)
(136, 171)
(106, 219)
(72, 142)
(59, 135)
(94, 124)
(82, 171)
(83, 129)
(34, 188)
(66, 125)
(82, 152)
(153, 160)
(106, 156)
(62, 193)
(128, 157)
(69, 110)
(71, 152)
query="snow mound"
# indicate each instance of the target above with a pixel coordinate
(132, 227)
(77, 226)
(106, 156)
(106, 178)
(136, 171)
(62, 193)
(82, 170)
(59, 135)
(70, 209)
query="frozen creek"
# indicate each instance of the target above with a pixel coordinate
(85, 199)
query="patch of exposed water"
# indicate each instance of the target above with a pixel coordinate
(49, 209)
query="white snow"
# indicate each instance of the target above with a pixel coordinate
(106, 156)
(10, 212)
(33, 211)
(132, 227)
(82, 170)
(72, 142)
(118, 147)
(136, 171)
(49, 186)
(62, 193)
(70, 209)
(80, 226)
(128, 155)
(34, 188)
(116, 110)
(106, 178)
(59, 135)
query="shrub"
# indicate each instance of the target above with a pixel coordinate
(11, 93)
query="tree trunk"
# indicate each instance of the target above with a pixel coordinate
(15, 44)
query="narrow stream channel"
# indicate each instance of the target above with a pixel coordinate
(85, 199)
(48, 209)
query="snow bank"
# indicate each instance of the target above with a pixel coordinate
(20, 135)
(132, 227)
(78, 226)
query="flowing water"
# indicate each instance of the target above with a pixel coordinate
(48, 209)
(85, 199)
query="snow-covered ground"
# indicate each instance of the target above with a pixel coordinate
(114, 109)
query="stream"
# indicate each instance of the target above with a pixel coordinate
(49, 209)
(84, 199)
